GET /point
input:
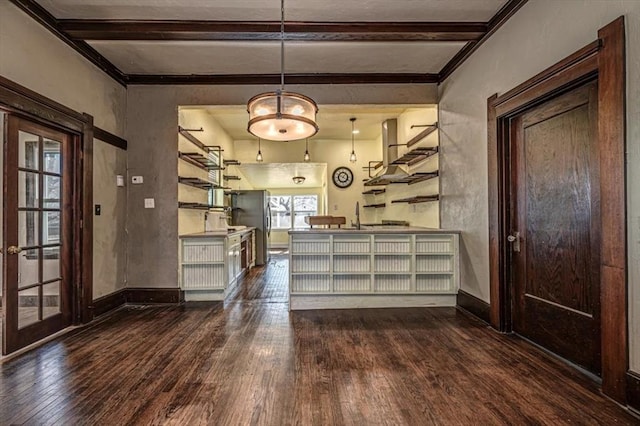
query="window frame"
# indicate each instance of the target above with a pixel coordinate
(292, 211)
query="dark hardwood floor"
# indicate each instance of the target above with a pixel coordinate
(253, 362)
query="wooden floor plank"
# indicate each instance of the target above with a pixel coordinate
(251, 361)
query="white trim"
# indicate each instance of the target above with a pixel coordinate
(298, 302)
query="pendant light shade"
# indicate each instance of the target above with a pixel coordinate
(298, 180)
(282, 115)
(353, 158)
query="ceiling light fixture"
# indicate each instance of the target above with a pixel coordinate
(298, 180)
(353, 157)
(281, 115)
(307, 157)
(259, 158)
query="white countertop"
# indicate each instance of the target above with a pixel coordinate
(222, 233)
(374, 230)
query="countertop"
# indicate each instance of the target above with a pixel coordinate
(374, 230)
(210, 234)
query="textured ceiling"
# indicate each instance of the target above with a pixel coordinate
(195, 57)
(296, 10)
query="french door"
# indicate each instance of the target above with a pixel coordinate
(37, 232)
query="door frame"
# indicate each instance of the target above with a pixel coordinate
(604, 60)
(18, 100)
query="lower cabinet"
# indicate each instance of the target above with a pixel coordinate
(211, 265)
(339, 269)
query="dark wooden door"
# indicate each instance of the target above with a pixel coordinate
(556, 211)
(37, 232)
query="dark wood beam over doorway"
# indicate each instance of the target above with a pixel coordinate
(91, 29)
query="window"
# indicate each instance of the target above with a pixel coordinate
(288, 210)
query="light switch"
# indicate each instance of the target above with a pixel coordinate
(149, 203)
(119, 180)
(136, 180)
(98, 209)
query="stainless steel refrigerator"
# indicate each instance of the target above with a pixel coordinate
(251, 208)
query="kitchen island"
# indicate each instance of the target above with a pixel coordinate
(379, 267)
(211, 263)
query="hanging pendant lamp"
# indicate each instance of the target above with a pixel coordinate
(307, 157)
(282, 115)
(353, 157)
(259, 158)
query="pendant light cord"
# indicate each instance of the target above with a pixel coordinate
(282, 45)
(353, 121)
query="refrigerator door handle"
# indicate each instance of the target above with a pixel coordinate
(268, 220)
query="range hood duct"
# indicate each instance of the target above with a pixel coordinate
(390, 172)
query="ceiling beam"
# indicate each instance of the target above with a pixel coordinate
(84, 29)
(502, 16)
(274, 79)
(47, 20)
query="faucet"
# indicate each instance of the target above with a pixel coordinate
(357, 224)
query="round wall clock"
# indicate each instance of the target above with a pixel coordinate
(342, 177)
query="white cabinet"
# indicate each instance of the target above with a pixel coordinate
(211, 265)
(334, 269)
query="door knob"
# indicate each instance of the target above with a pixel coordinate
(515, 239)
(13, 250)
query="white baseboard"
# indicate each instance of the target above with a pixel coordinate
(301, 302)
(203, 295)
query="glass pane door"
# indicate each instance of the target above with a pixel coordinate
(36, 243)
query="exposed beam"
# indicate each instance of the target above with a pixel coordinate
(47, 20)
(262, 79)
(503, 15)
(85, 29)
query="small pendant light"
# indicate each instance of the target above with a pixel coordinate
(353, 157)
(307, 157)
(259, 158)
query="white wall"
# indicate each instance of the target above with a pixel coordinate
(422, 214)
(191, 221)
(539, 35)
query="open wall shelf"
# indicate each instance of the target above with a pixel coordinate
(199, 160)
(417, 177)
(418, 199)
(230, 177)
(423, 134)
(374, 191)
(409, 179)
(199, 183)
(231, 162)
(188, 136)
(374, 206)
(416, 155)
(199, 206)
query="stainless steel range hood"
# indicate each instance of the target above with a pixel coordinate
(390, 172)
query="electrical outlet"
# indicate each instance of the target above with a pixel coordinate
(137, 180)
(149, 203)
